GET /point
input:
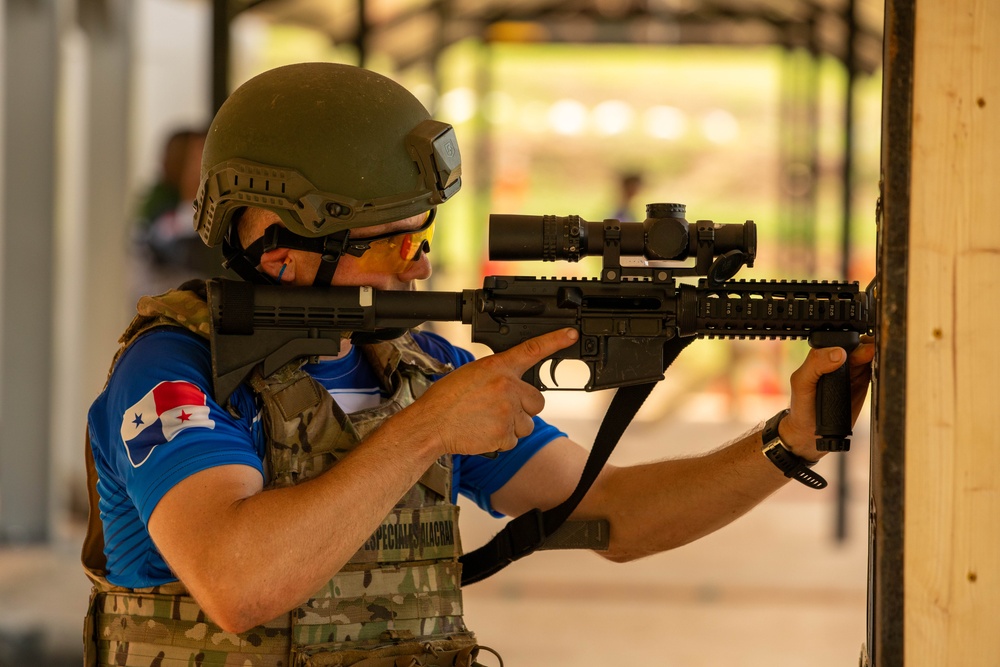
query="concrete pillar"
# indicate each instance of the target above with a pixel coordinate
(30, 62)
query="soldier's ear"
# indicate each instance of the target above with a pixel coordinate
(279, 264)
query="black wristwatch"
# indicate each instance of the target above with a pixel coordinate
(788, 462)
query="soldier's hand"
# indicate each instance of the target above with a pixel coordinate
(798, 430)
(485, 406)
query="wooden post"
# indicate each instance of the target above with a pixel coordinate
(952, 536)
(950, 425)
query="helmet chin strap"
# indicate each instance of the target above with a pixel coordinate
(245, 261)
(333, 248)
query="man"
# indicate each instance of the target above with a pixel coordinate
(629, 185)
(275, 529)
(167, 250)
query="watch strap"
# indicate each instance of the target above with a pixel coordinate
(788, 462)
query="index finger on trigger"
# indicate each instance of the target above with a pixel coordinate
(525, 355)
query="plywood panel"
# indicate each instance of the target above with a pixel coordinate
(952, 531)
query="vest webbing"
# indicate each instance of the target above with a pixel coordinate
(397, 602)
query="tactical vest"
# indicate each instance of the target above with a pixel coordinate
(397, 602)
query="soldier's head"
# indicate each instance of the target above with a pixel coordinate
(327, 160)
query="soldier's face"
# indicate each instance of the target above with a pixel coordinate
(394, 261)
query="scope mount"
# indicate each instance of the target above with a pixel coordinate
(716, 270)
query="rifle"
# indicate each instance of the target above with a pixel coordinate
(633, 320)
(626, 317)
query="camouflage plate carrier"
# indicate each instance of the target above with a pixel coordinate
(396, 603)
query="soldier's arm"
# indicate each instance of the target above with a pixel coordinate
(662, 505)
(248, 555)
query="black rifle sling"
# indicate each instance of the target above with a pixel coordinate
(526, 533)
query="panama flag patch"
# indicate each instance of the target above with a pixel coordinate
(157, 418)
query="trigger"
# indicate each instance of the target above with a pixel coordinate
(552, 371)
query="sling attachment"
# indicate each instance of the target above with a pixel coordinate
(528, 532)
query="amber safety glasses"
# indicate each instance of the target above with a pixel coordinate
(393, 252)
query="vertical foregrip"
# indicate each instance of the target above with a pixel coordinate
(833, 395)
(833, 411)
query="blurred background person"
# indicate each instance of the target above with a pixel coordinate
(168, 250)
(627, 209)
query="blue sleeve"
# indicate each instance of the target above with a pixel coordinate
(477, 477)
(158, 424)
(441, 349)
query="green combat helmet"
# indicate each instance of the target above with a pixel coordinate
(329, 148)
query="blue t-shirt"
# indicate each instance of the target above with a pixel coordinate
(156, 424)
